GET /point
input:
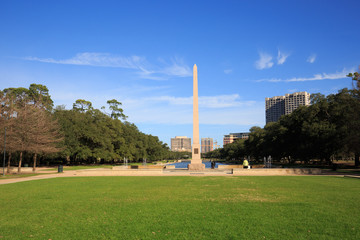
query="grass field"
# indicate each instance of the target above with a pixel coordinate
(303, 207)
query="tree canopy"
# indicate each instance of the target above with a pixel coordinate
(82, 134)
(329, 128)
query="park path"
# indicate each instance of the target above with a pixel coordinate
(37, 177)
(109, 172)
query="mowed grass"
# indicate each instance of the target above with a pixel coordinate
(296, 207)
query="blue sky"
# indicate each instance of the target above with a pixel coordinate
(142, 52)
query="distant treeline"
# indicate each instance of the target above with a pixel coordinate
(35, 130)
(327, 129)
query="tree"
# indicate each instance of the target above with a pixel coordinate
(354, 136)
(255, 143)
(30, 126)
(39, 95)
(6, 125)
(356, 78)
(274, 141)
(82, 105)
(47, 137)
(116, 111)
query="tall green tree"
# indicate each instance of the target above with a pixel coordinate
(31, 127)
(353, 120)
(116, 111)
(82, 105)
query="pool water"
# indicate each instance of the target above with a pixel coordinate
(184, 164)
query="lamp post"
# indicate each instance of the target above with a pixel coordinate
(4, 153)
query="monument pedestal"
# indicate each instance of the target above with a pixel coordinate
(196, 166)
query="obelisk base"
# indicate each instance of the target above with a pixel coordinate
(196, 166)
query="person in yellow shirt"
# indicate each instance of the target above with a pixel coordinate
(245, 163)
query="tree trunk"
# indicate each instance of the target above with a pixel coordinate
(8, 165)
(20, 161)
(328, 161)
(34, 158)
(357, 160)
(68, 160)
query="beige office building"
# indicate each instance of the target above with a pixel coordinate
(293, 101)
(181, 144)
(207, 145)
(230, 138)
(277, 106)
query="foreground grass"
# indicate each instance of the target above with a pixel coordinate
(181, 208)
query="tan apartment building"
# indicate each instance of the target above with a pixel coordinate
(277, 106)
(293, 101)
(207, 145)
(181, 144)
(230, 138)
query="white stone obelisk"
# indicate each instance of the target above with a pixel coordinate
(196, 163)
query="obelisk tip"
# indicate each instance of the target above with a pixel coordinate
(195, 66)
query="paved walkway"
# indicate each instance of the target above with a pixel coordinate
(110, 172)
(137, 172)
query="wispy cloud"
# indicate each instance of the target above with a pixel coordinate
(221, 101)
(223, 109)
(316, 77)
(228, 71)
(282, 56)
(177, 67)
(167, 109)
(265, 61)
(97, 60)
(311, 58)
(292, 90)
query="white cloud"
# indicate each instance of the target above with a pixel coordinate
(311, 58)
(292, 90)
(177, 68)
(96, 59)
(211, 110)
(228, 71)
(281, 58)
(221, 101)
(165, 109)
(316, 77)
(265, 61)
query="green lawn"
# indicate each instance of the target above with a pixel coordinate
(301, 207)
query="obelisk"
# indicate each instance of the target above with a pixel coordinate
(196, 163)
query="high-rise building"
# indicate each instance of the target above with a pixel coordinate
(275, 107)
(233, 136)
(293, 101)
(181, 144)
(207, 145)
